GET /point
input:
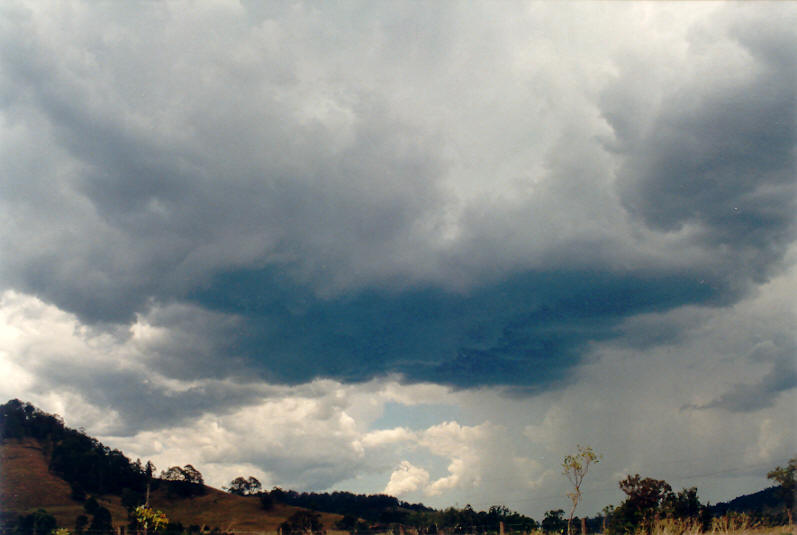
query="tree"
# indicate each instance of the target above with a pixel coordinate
(244, 487)
(149, 469)
(91, 505)
(554, 521)
(785, 478)
(192, 475)
(645, 497)
(80, 524)
(575, 467)
(352, 524)
(302, 522)
(131, 499)
(37, 523)
(683, 506)
(101, 522)
(186, 481)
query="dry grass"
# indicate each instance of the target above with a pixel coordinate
(726, 525)
(228, 512)
(25, 478)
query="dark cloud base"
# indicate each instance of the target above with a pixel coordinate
(526, 331)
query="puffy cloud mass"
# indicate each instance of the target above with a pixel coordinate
(331, 219)
(475, 214)
(406, 478)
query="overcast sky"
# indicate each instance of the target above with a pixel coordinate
(416, 248)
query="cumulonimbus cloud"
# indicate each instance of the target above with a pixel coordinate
(345, 207)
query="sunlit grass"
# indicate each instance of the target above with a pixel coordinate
(740, 524)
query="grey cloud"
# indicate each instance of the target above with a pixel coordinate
(324, 189)
(140, 402)
(749, 397)
(160, 209)
(718, 154)
(527, 330)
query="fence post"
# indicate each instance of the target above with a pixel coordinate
(500, 527)
(583, 526)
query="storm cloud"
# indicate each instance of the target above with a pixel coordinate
(227, 210)
(251, 171)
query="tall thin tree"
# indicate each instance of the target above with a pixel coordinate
(575, 467)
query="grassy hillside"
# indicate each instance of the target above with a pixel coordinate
(26, 485)
(228, 511)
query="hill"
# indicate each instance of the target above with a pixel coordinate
(46, 465)
(767, 501)
(27, 484)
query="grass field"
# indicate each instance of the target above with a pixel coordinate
(727, 525)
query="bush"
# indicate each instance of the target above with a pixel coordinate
(302, 522)
(38, 523)
(101, 523)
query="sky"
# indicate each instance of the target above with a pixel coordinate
(425, 249)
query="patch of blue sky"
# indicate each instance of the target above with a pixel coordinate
(419, 417)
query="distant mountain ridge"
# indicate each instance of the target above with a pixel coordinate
(769, 499)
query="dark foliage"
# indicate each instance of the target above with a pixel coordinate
(352, 524)
(131, 499)
(243, 486)
(468, 521)
(302, 522)
(649, 499)
(80, 524)
(554, 521)
(174, 528)
(82, 461)
(683, 505)
(38, 523)
(378, 511)
(91, 505)
(750, 503)
(642, 505)
(183, 482)
(785, 477)
(101, 522)
(370, 507)
(765, 505)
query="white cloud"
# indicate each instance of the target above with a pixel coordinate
(387, 436)
(406, 478)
